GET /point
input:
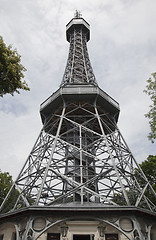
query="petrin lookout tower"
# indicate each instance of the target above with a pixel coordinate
(80, 181)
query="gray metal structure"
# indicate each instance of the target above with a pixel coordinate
(80, 160)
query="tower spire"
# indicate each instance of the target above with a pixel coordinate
(78, 69)
(77, 14)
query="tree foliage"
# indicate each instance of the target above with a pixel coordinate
(6, 183)
(151, 115)
(149, 168)
(11, 70)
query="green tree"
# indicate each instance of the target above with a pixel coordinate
(11, 70)
(151, 115)
(5, 184)
(149, 168)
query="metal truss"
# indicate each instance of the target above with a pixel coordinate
(81, 156)
(78, 69)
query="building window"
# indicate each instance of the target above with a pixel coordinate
(83, 237)
(13, 236)
(1, 236)
(111, 236)
(53, 236)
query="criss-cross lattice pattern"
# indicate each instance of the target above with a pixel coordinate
(78, 69)
(80, 156)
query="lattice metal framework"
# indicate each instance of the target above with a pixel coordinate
(80, 154)
(78, 69)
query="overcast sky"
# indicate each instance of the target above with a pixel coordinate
(122, 51)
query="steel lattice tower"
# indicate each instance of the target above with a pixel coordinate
(80, 158)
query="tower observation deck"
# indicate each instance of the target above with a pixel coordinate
(80, 159)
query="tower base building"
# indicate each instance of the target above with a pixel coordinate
(79, 223)
(80, 181)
